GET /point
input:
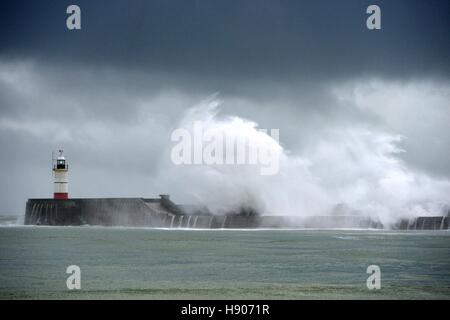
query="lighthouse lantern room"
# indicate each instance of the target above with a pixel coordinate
(61, 176)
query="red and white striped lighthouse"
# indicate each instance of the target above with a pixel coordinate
(61, 174)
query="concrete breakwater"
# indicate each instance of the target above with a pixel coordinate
(163, 213)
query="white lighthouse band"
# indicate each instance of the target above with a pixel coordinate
(61, 177)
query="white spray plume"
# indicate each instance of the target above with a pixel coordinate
(354, 169)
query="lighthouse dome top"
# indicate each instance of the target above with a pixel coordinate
(61, 158)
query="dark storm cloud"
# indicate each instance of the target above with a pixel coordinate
(265, 39)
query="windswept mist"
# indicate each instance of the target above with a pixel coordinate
(349, 170)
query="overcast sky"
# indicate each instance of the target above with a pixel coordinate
(111, 93)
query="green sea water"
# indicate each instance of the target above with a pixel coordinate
(127, 263)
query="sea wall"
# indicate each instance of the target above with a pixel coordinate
(139, 212)
(424, 223)
(101, 211)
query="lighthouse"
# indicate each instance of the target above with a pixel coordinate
(61, 175)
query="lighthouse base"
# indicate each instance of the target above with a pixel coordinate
(61, 195)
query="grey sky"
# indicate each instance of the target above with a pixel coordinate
(111, 93)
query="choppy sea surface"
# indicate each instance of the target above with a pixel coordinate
(132, 263)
